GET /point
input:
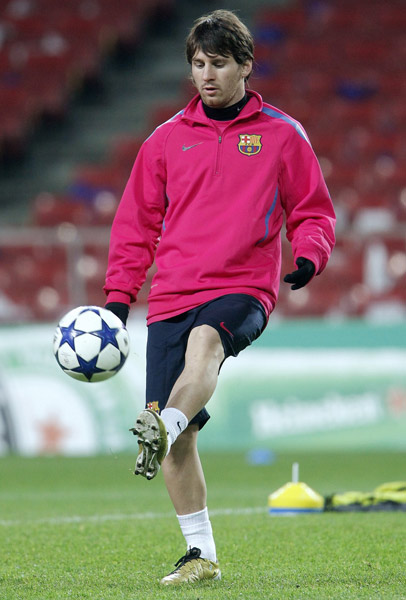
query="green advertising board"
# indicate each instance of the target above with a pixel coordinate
(314, 399)
(302, 385)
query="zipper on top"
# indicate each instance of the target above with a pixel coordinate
(218, 156)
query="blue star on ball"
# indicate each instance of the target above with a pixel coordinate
(69, 334)
(107, 335)
(87, 367)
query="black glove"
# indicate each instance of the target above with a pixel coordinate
(120, 309)
(303, 274)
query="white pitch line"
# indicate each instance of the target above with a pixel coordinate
(74, 519)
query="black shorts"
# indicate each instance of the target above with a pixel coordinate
(239, 319)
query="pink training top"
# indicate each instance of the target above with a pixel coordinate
(208, 204)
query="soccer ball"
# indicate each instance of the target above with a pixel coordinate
(91, 343)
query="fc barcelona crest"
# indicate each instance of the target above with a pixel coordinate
(249, 144)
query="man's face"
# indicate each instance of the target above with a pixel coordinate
(219, 79)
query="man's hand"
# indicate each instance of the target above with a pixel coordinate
(303, 274)
(120, 309)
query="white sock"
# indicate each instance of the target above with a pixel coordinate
(175, 422)
(198, 533)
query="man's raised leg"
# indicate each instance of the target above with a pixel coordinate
(191, 392)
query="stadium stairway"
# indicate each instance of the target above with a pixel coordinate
(113, 99)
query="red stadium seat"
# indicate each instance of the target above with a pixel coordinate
(124, 151)
(50, 210)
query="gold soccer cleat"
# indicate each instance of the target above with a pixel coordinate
(191, 569)
(152, 442)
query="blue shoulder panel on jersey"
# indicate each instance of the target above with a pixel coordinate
(267, 217)
(277, 115)
(178, 113)
(168, 121)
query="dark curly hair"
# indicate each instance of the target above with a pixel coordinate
(220, 32)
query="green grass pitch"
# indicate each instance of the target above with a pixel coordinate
(86, 528)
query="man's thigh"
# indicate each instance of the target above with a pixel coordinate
(238, 318)
(166, 349)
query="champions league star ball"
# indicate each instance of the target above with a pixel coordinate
(91, 343)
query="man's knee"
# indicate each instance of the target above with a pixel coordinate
(205, 340)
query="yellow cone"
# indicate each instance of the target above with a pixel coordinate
(295, 498)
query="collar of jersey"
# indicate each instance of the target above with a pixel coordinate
(194, 110)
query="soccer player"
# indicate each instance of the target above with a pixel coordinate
(206, 199)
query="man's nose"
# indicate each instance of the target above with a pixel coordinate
(208, 73)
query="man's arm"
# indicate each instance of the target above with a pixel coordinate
(136, 228)
(310, 217)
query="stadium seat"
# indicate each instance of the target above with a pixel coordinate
(124, 151)
(50, 210)
(38, 282)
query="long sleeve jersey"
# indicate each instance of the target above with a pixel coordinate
(208, 205)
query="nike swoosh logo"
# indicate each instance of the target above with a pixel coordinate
(184, 148)
(225, 328)
(178, 424)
